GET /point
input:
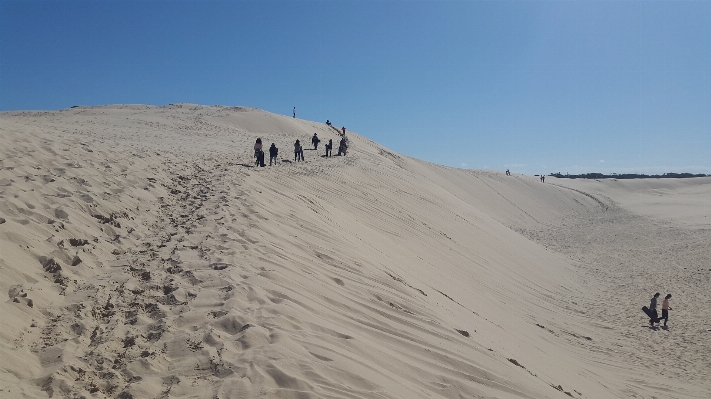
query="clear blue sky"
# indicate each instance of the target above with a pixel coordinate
(533, 86)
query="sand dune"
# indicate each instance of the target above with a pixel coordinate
(144, 257)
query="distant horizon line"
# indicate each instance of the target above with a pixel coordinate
(596, 175)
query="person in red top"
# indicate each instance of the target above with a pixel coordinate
(343, 129)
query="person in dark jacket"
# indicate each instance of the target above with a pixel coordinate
(257, 150)
(342, 147)
(315, 140)
(273, 152)
(298, 151)
(653, 314)
(329, 147)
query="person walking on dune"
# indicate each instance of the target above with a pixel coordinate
(665, 309)
(342, 147)
(294, 112)
(298, 151)
(343, 129)
(315, 140)
(257, 150)
(653, 314)
(329, 147)
(273, 153)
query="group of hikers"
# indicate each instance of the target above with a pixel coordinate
(542, 178)
(298, 149)
(652, 311)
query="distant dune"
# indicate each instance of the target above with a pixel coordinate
(144, 256)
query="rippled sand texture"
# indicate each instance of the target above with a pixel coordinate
(145, 257)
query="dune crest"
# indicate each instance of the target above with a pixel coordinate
(144, 256)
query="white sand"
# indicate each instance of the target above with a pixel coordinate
(367, 276)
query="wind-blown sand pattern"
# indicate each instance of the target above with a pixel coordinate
(145, 257)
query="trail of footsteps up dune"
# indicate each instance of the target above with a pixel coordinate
(135, 333)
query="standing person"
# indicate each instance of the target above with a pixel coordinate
(315, 140)
(294, 112)
(273, 152)
(298, 151)
(665, 309)
(653, 314)
(543, 178)
(342, 147)
(257, 150)
(343, 129)
(329, 147)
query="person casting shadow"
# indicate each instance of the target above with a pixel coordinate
(298, 151)
(665, 309)
(315, 140)
(653, 314)
(273, 153)
(329, 147)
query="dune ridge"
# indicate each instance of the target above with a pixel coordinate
(144, 256)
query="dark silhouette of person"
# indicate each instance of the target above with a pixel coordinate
(508, 173)
(294, 112)
(329, 147)
(342, 147)
(298, 151)
(653, 314)
(257, 150)
(273, 153)
(315, 140)
(328, 123)
(343, 129)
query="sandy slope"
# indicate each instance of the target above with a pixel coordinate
(143, 256)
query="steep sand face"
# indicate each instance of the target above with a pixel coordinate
(144, 256)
